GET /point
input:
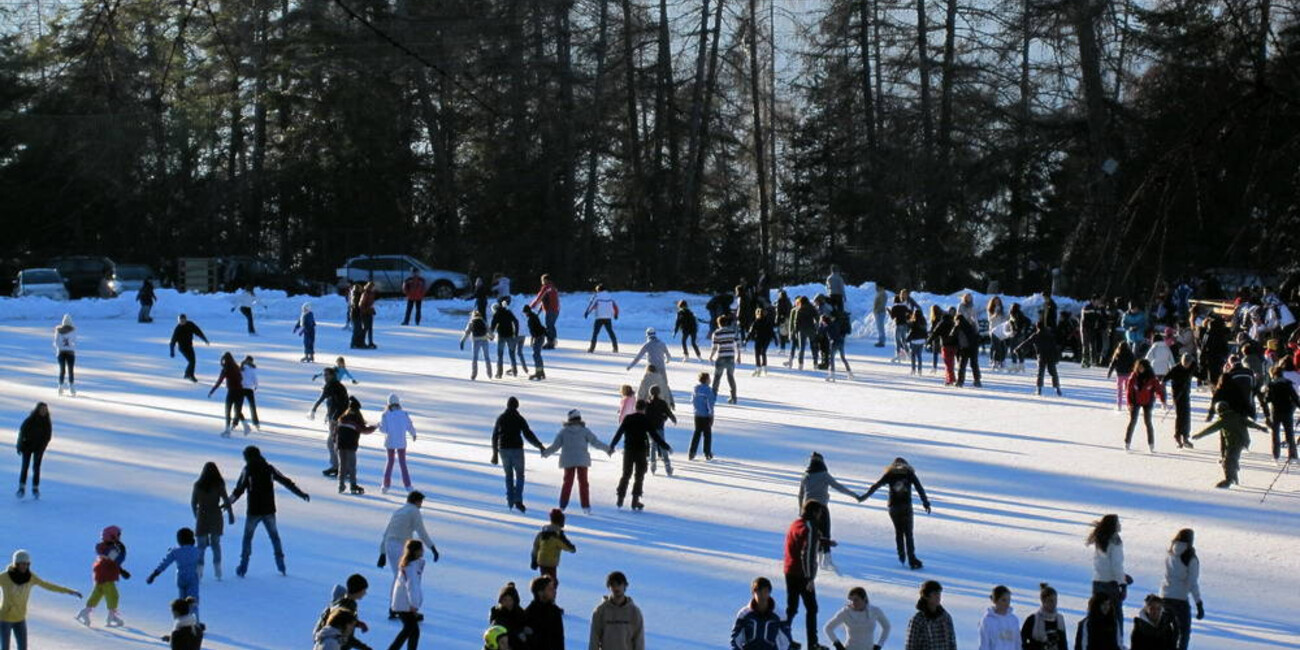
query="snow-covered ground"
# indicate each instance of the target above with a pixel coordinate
(1015, 481)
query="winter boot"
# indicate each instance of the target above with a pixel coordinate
(83, 616)
(113, 619)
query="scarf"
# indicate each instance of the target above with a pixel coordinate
(19, 577)
(1041, 619)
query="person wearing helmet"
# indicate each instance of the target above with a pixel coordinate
(1234, 436)
(496, 638)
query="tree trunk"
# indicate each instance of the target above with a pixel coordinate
(687, 203)
(760, 149)
(565, 192)
(864, 53)
(597, 111)
(632, 149)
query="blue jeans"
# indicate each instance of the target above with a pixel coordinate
(512, 463)
(917, 355)
(881, 317)
(250, 525)
(481, 346)
(724, 365)
(20, 634)
(537, 354)
(900, 340)
(1182, 611)
(551, 335)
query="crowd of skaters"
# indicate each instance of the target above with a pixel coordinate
(731, 331)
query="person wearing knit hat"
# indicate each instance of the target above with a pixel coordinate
(306, 328)
(508, 614)
(573, 441)
(16, 584)
(65, 350)
(110, 554)
(395, 424)
(548, 544)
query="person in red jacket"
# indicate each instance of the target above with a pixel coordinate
(233, 377)
(1143, 388)
(414, 288)
(802, 540)
(548, 298)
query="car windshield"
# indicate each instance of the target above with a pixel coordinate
(41, 277)
(133, 272)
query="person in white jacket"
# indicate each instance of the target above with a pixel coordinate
(1108, 577)
(248, 371)
(65, 349)
(405, 523)
(1161, 356)
(1000, 629)
(408, 594)
(573, 442)
(244, 301)
(606, 311)
(860, 618)
(1182, 579)
(395, 424)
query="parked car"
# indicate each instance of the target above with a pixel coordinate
(40, 282)
(240, 271)
(83, 274)
(130, 277)
(388, 272)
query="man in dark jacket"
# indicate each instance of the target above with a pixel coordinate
(505, 325)
(1154, 628)
(802, 540)
(1043, 342)
(538, 332)
(757, 626)
(968, 350)
(659, 412)
(335, 396)
(258, 479)
(1180, 379)
(508, 448)
(1092, 329)
(640, 431)
(183, 336)
(544, 617)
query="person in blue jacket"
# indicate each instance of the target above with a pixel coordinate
(306, 328)
(186, 558)
(758, 626)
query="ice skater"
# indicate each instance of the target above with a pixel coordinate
(258, 479)
(657, 358)
(573, 441)
(306, 328)
(110, 555)
(208, 498)
(477, 330)
(65, 352)
(901, 478)
(233, 378)
(395, 424)
(816, 485)
(185, 555)
(33, 438)
(183, 337)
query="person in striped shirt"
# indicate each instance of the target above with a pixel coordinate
(725, 354)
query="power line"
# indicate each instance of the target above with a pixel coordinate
(415, 55)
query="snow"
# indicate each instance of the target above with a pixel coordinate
(1014, 479)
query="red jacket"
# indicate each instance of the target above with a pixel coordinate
(801, 542)
(548, 297)
(108, 564)
(414, 288)
(1143, 392)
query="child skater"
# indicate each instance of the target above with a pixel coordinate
(110, 554)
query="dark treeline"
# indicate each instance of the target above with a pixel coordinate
(648, 143)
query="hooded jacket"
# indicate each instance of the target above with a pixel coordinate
(395, 424)
(572, 442)
(187, 634)
(35, 433)
(602, 306)
(617, 626)
(1154, 635)
(1182, 574)
(999, 631)
(760, 628)
(546, 620)
(258, 479)
(16, 589)
(65, 337)
(640, 431)
(549, 542)
(901, 478)
(329, 638)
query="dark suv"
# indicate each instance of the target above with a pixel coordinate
(83, 273)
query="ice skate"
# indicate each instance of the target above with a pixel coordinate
(83, 616)
(519, 505)
(225, 433)
(22, 492)
(36, 493)
(637, 505)
(247, 429)
(358, 490)
(113, 619)
(62, 388)
(72, 389)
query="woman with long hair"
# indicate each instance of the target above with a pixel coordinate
(408, 595)
(997, 315)
(917, 333)
(233, 377)
(932, 341)
(208, 498)
(1121, 364)
(1097, 630)
(1108, 577)
(901, 478)
(33, 437)
(1182, 578)
(1045, 628)
(1143, 388)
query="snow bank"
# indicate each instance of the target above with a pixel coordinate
(638, 310)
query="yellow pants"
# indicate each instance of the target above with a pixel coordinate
(105, 590)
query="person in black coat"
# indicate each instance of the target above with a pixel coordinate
(1098, 630)
(505, 325)
(1154, 628)
(1180, 379)
(901, 478)
(968, 350)
(335, 396)
(146, 297)
(689, 327)
(544, 617)
(33, 437)
(1043, 341)
(183, 337)
(207, 500)
(258, 479)
(1281, 401)
(509, 613)
(508, 449)
(538, 332)
(640, 430)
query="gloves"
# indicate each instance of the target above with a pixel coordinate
(1128, 579)
(307, 498)
(533, 565)
(231, 518)
(927, 511)
(76, 594)
(383, 560)
(436, 555)
(1200, 610)
(495, 460)
(150, 579)
(311, 416)
(462, 345)
(838, 645)
(126, 575)
(354, 382)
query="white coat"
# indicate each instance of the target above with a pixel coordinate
(1181, 579)
(861, 626)
(408, 594)
(999, 631)
(395, 424)
(1108, 566)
